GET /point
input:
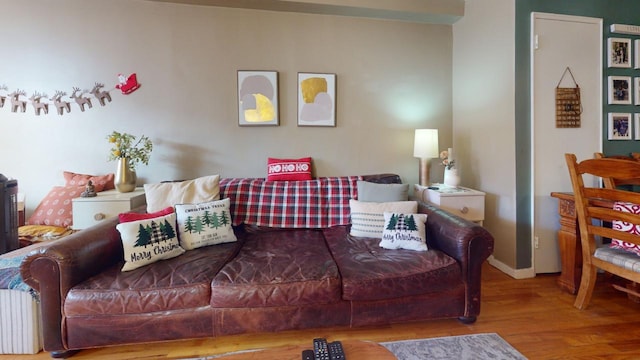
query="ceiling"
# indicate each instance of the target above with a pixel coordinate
(421, 11)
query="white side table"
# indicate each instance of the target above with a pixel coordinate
(464, 202)
(90, 211)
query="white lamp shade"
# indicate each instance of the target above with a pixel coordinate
(425, 144)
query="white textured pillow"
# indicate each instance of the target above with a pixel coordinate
(147, 241)
(202, 189)
(204, 224)
(367, 218)
(404, 231)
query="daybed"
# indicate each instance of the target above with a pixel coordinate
(19, 309)
(20, 331)
(296, 264)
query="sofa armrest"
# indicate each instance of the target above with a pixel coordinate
(453, 234)
(55, 268)
(467, 242)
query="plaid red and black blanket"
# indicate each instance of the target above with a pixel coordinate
(318, 203)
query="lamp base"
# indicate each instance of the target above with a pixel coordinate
(424, 172)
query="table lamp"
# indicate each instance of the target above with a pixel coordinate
(425, 147)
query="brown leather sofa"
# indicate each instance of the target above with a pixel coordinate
(269, 280)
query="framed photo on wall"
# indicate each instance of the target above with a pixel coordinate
(316, 99)
(620, 90)
(636, 90)
(619, 126)
(636, 54)
(619, 52)
(258, 98)
(636, 126)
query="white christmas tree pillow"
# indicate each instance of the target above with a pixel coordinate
(367, 218)
(149, 240)
(404, 231)
(204, 224)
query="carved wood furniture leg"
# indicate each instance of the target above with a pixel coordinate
(569, 243)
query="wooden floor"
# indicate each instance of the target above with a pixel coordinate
(533, 315)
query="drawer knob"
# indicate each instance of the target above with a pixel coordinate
(464, 210)
(99, 216)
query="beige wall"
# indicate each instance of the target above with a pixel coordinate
(392, 77)
(484, 103)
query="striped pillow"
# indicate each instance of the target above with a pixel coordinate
(367, 218)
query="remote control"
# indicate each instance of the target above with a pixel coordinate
(321, 349)
(336, 352)
(307, 355)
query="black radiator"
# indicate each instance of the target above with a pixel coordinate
(8, 214)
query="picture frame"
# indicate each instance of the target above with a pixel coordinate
(636, 126)
(619, 52)
(620, 90)
(636, 90)
(258, 103)
(316, 99)
(619, 126)
(636, 54)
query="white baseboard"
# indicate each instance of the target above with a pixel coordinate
(514, 273)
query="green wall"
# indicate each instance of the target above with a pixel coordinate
(612, 12)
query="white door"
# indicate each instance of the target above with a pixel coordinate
(558, 42)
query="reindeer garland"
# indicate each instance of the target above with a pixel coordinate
(60, 104)
(40, 101)
(3, 98)
(37, 105)
(100, 94)
(80, 100)
(16, 103)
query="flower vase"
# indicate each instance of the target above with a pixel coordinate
(125, 180)
(451, 177)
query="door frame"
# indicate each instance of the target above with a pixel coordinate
(532, 43)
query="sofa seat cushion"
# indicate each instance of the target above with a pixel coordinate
(183, 282)
(370, 272)
(287, 267)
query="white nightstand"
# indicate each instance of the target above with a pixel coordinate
(90, 211)
(464, 202)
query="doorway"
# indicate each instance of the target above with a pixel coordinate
(558, 42)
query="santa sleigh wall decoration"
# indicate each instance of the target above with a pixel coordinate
(40, 102)
(128, 85)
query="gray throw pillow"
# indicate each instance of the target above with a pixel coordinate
(373, 192)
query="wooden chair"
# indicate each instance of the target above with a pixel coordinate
(612, 183)
(632, 288)
(592, 220)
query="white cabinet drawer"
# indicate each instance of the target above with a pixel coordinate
(460, 201)
(468, 207)
(90, 211)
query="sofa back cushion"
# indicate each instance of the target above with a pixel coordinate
(385, 178)
(318, 203)
(202, 189)
(376, 192)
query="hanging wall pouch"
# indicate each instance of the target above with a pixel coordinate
(568, 106)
